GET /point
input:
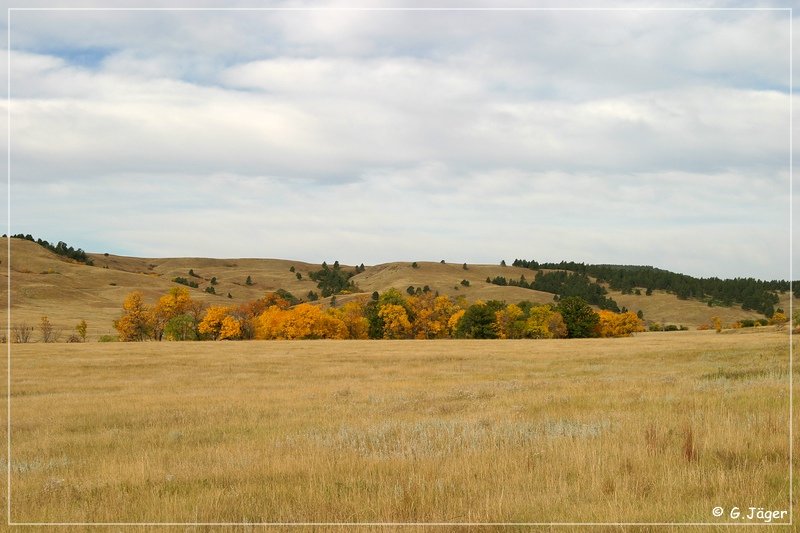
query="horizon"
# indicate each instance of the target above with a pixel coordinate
(628, 138)
(346, 263)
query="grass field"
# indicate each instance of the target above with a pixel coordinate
(654, 428)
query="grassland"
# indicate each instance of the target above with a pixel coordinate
(654, 428)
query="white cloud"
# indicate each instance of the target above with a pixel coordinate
(644, 137)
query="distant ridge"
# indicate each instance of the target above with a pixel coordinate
(68, 290)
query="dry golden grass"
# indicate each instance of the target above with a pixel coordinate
(654, 428)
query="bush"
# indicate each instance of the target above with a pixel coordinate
(21, 333)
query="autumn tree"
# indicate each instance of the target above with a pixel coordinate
(176, 302)
(611, 324)
(396, 324)
(455, 319)
(352, 316)
(307, 321)
(134, 324)
(544, 322)
(230, 328)
(779, 320)
(269, 324)
(212, 322)
(509, 322)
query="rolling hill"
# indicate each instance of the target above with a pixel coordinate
(67, 291)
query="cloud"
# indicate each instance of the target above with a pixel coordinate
(648, 137)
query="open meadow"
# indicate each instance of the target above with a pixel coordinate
(654, 428)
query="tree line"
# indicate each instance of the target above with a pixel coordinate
(59, 249)
(752, 294)
(390, 315)
(564, 284)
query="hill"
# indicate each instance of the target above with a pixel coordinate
(44, 283)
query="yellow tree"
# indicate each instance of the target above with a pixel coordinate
(176, 302)
(779, 320)
(395, 321)
(134, 324)
(422, 309)
(300, 321)
(509, 323)
(452, 323)
(211, 324)
(230, 328)
(330, 326)
(352, 315)
(544, 323)
(612, 324)
(269, 324)
(443, 310)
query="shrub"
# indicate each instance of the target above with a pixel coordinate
(81, 329)
(46, 329)
(21, 333)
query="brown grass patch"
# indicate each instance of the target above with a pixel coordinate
(643, 429)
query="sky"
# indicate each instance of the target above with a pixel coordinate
(633, 136)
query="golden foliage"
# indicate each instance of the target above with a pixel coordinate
(613, 324)
(431, 316)
(304, 321)
(269, 324)
(230, 328)
(352, 316)
(176, 302)
(545, 323)
(395, 322)
(508, 322)
(779, 319)
(452, 323)
(134, 324)
(211, 324)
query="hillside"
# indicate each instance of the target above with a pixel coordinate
(67, 291)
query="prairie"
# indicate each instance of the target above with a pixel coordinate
(656, 428)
